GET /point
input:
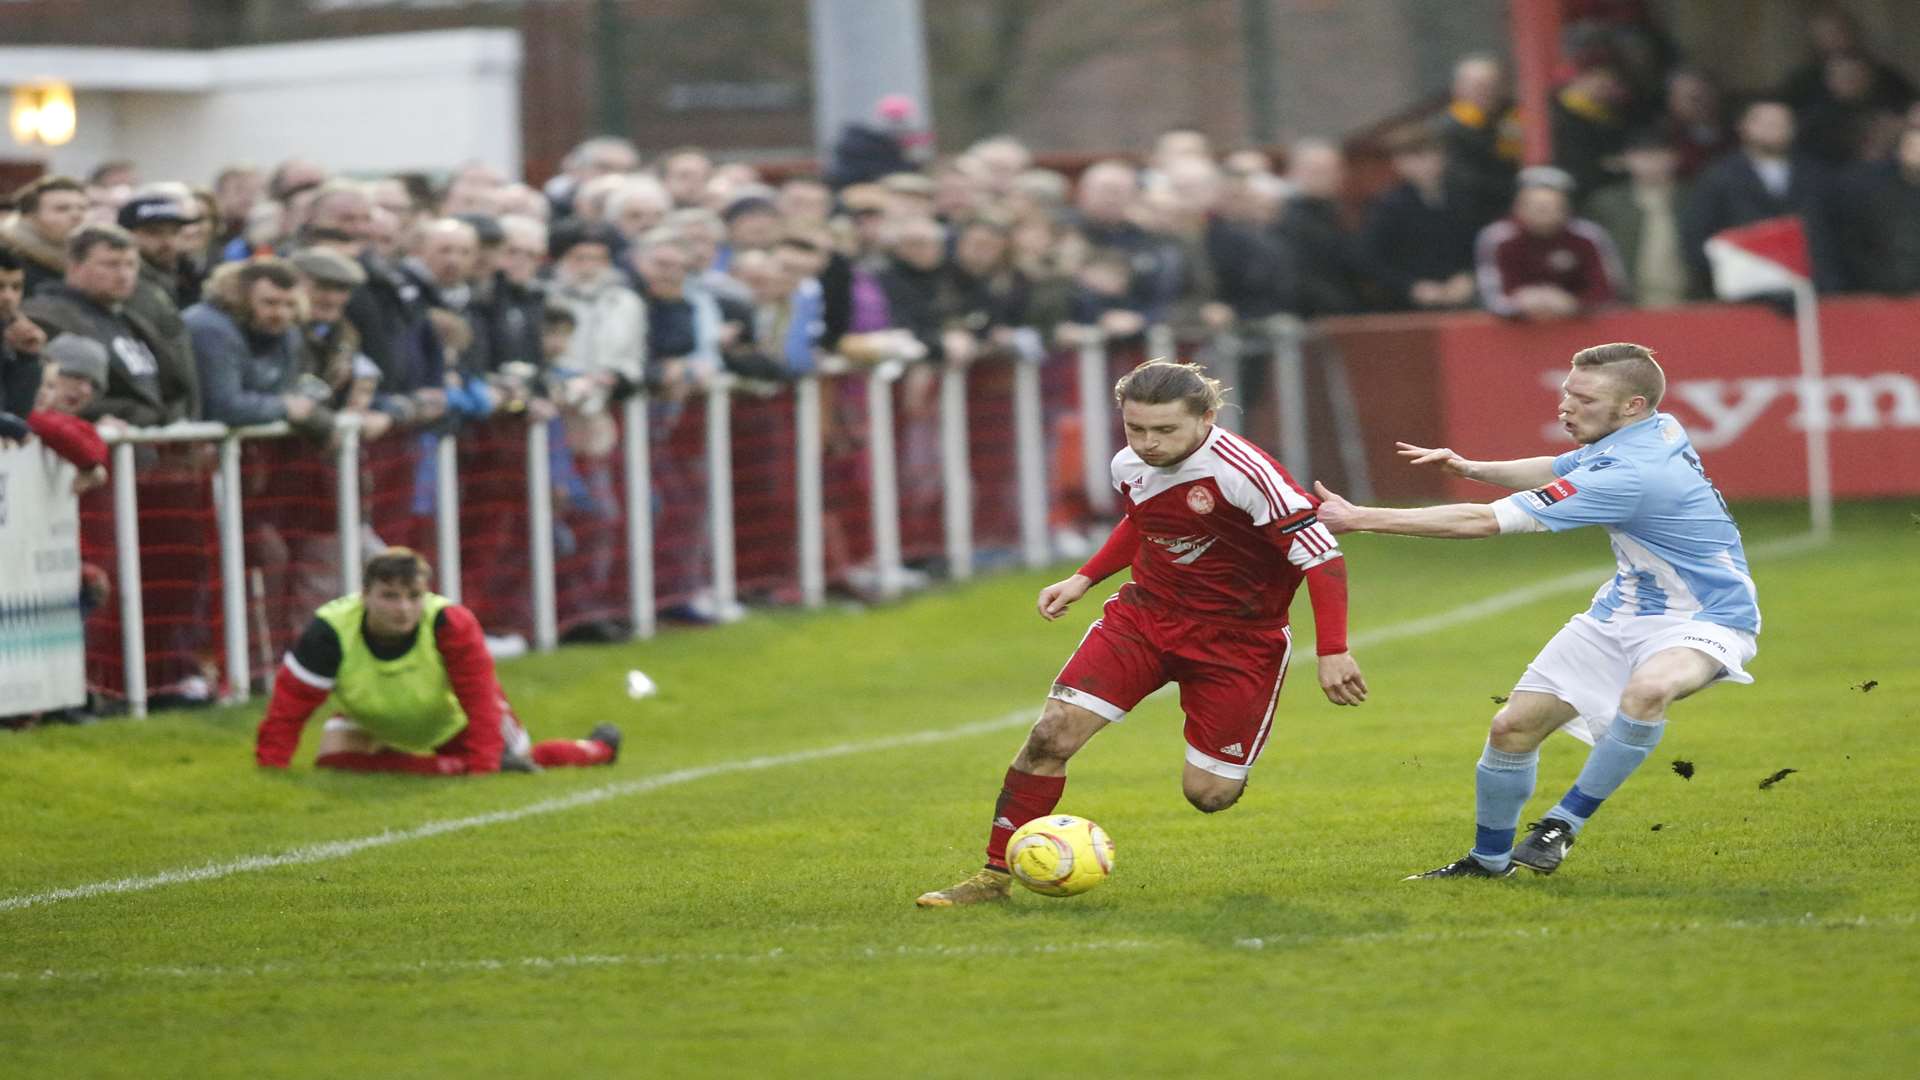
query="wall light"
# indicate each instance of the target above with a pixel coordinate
(43, 114)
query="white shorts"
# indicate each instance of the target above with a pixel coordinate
(1588, 662)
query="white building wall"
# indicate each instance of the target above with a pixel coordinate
(377, 104)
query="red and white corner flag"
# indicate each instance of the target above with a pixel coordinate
(1759, 259)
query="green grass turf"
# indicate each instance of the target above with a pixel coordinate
(761, 922)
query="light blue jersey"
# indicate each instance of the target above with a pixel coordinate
(1677, 547)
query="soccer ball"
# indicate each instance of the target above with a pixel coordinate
(1060, 855)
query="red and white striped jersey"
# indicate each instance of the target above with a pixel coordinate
(1225, 535)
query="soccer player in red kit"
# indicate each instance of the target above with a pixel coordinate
(1219, 538)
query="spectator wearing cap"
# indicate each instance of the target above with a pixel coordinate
(753, 224)
(868, 151)
(146, 383)
(331, 346)
(1642, 216)
(49, 210)
(249, 347)
(608, 347)
(1542, 263)
(1418, 238)
(20, 341)
(865, 207)
(74, 372)
(1763, 179)
(155, 221)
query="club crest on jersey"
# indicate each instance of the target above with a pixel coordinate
(1199, 500)
(1552, 493)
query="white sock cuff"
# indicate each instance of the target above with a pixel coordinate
(1501, 761)
(1636, 732)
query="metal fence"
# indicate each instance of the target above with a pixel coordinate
(221, 541)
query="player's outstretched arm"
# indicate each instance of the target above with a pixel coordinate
(1458, 521)
(1514, 475)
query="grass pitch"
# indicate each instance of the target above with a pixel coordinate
(756, 918)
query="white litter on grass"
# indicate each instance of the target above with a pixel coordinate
(640, 685)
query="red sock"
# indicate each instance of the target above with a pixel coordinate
(571, 752)
(392, 761)
(1023, 797)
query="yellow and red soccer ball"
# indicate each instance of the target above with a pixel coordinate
(1060, 855)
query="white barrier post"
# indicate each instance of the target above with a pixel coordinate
(956, 473)
(546, 632)
(1290, 391)
(720, 493)
(126, 540)
(1096, 435)
(1161, 344)
(639, 497)
(233, 572)
(1818, 409)
(810, 506)
(346, 507)
(1030, 462)
(884, 497)
(446, 515)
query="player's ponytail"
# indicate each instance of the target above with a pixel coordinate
(1158, 382)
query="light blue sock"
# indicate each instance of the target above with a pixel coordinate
(1620, 751)
(1502, 784)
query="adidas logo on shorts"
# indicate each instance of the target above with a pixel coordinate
(1234, 749)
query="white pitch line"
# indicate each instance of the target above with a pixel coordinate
(340, 849)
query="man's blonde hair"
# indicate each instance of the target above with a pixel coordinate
(1631, 366)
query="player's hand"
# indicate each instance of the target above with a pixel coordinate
(1441, 456)
(1335, 512)
(1341, 681)
(88, 479)
(1056, 598)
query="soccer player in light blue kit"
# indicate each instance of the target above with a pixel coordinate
(1680, 614)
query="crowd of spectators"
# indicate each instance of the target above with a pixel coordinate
(418, 302)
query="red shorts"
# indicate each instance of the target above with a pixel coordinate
(1229, 678)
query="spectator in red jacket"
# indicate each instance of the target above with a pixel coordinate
(1542, 262)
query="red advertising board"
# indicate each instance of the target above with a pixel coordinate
(1489, 389)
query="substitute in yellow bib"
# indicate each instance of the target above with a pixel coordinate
(411, 686)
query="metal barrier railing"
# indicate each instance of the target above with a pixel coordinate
(959, 435)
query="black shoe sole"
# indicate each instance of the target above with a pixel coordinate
(1543, 871)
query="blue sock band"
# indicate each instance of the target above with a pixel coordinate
(1625, 745)
(1503, 782)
